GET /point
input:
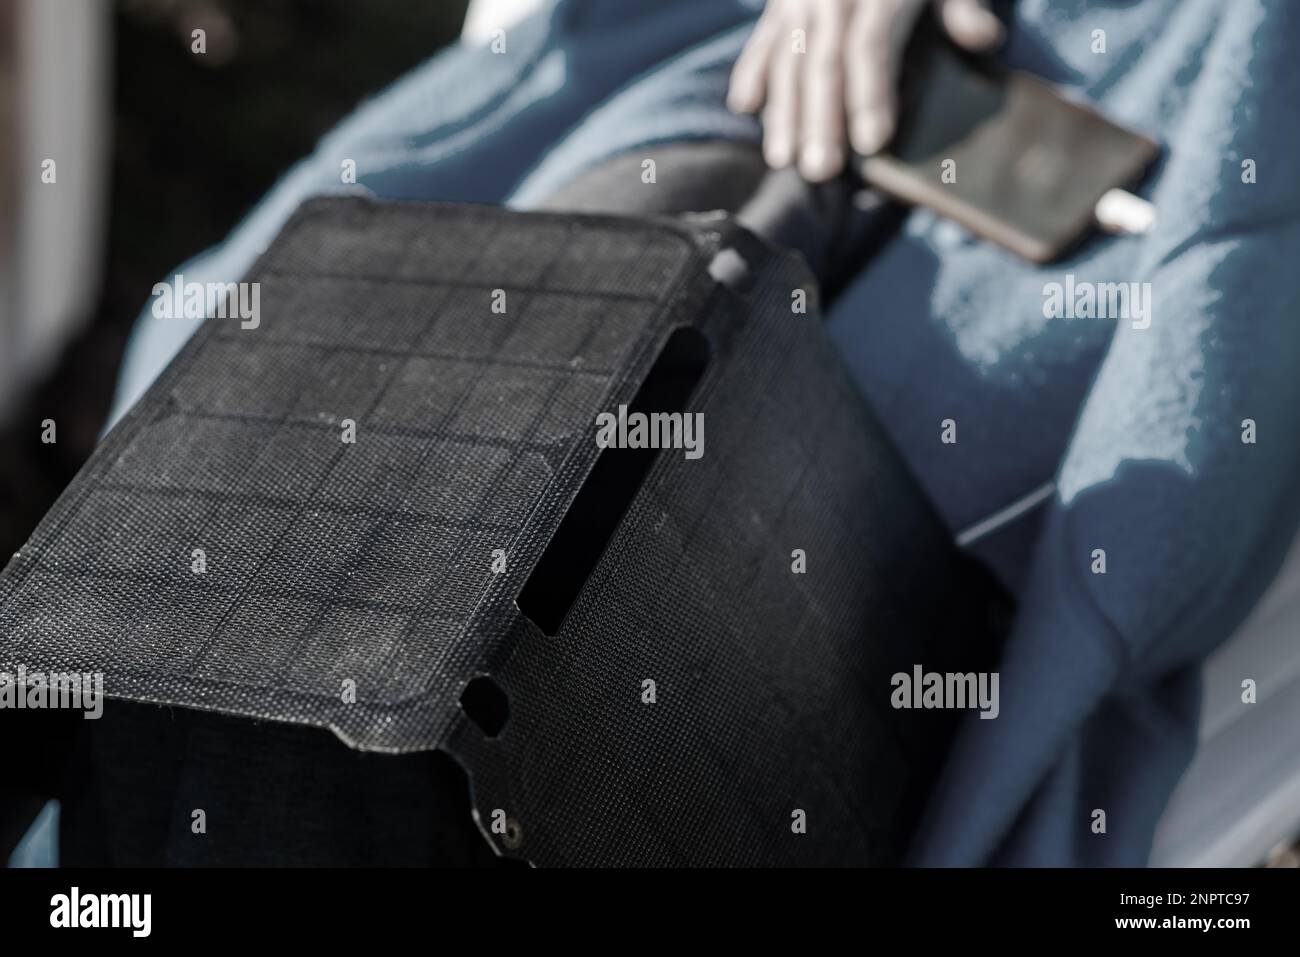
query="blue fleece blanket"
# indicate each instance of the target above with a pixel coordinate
(1162, 444)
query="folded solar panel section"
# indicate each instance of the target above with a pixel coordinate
(614, 643)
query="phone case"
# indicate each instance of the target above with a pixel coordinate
(1001, 152)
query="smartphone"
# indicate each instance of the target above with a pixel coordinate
(1000, 151)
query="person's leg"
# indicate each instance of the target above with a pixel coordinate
(836, 226)
(689, 177)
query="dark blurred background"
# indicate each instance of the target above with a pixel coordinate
(192, 143)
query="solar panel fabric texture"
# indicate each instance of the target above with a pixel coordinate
(373, 476)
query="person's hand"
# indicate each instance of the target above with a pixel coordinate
(842, 80)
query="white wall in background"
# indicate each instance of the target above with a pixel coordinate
(484, 16)
(62, 113)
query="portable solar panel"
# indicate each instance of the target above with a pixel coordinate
(384, 511)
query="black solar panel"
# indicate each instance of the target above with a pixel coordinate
(398, 563)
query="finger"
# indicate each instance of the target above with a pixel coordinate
(748, 83)
(869, 75)
(821, 141)
(971, 23)
(781, 115)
